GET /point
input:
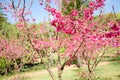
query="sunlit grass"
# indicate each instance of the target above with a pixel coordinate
(111, 71)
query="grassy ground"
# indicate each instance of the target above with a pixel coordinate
(43, 74)
(109, 70)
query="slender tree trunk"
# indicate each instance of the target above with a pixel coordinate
(6, 72)
(90, 76)
(58, 54)
(118, 51)
(79, 61)
(50, 73)
(59, 74)
(59, 68)
(50, 57)
(16, 70)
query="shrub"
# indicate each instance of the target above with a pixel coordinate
(5, 66)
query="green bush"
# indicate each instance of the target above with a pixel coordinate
(117, 58)
(4, 65)
(32, 67)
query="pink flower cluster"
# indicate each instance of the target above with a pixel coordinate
(93, 5)
(68, 23)
(114, 33)
(74, 12)
(96, 4)
(64, 23)
(39, 44)
(11, 49)
(116, 44)
(88, 13)
(48, 0)
(20, 25)
(114, 30)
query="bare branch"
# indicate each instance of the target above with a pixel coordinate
(13, 5)
(18, 4)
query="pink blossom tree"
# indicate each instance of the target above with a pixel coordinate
(19, 11)
(87, 35)
(13, 51)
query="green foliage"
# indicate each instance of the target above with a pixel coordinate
(4, 65)
(115, 58)
(3, 18)
(32, 67)
(9, 31)
(62, 49)
(118, 15)
(67, 8)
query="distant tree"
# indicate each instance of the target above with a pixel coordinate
(69, 5)
(2, 17)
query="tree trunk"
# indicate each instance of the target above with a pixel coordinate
(79, 61)
(6, 72)
(59, 68)
(90, 76)
(16, 70)
(50, 73)
(59, 74)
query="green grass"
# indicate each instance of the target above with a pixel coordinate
(67, 75)
(109, 71)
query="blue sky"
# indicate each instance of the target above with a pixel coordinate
(108, 6)
(40, 14)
